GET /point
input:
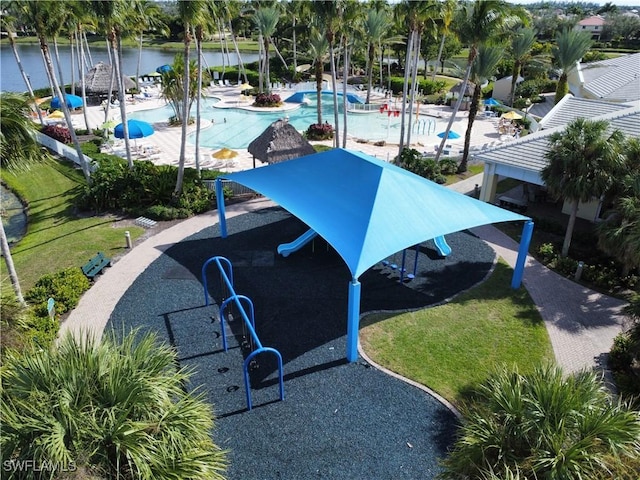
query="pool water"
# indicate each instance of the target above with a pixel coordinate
(236, 128)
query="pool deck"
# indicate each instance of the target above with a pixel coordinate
(166, 140)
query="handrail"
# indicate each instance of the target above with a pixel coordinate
(226, 272)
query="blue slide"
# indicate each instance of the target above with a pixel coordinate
(443, 247)
(285, 249)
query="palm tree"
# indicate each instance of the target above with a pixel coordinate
(543, 425)
(42, 15)
(570, 47)
(445, 17)
(376, 26)
(19, 150)
(147, 16)
(583, 161)
(476, 24)
(7, 20)
(521, 45)
(117, 407)
(319, 50)
(191, 13)
(483, 68)
(619, 234)
(266, 20)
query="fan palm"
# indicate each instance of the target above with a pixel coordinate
(114, 408)
(570, 47)
(619, 234)
(583, 161)
(543, 425)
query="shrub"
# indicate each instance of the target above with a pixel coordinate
(58, 133)
(161, 212)
(547, 252)
(319, 131)
(65, 287)
(413, 161)
(267, 100)
(117, 408)
(448, 166)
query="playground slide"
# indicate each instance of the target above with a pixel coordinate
(285, 249)
(443, 247)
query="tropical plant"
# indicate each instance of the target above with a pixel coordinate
(570, 47)
(475, 24)
(583, 160)
(376, 26)
(544, 425)
(619, 234)
(483, 68)
(444, 19)
(521, 45)
(318, 49)
(266, 20)
(117, 409)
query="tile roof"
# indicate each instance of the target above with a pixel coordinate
(528, 153)
(570, 108)
(615, 78)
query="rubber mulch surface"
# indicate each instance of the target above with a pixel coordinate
(338, 420)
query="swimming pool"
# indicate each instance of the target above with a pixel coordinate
(236, 128)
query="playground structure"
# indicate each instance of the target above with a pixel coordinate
(443, 250)
(285, 249)
(424, 126)
(240, 301)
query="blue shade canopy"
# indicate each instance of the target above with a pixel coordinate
(452, 135)
(137, 129)
(164, 68)
(73, 101)
(491, 102)
(367, 209)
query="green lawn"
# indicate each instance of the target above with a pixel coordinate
(453, 347)
(57, 237)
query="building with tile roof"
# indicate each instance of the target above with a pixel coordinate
(614, 80)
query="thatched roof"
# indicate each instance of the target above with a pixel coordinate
(98, 78)
(278, 143)
(467, 93)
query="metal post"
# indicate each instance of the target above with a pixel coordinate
(127, 238)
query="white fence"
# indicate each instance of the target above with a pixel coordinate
(63, 150)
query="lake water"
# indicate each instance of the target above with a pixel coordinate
(31, 59)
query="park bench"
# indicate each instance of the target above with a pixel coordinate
(514, 204)
(95, 266)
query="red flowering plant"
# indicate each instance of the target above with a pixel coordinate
(57, 132)
(319, 131)
(267, 100)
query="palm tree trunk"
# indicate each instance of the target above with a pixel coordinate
(435, 67)
(138, 62)
(514, 80)
(25, 77)
(336, 114)
(473, 111)
(371, 51)
(185, 113)
(569, 233)
(467, 74)
(295, 47)
(241, 68)
(405, 88)
(72, 49)
(414, 84)
(319, 69)
(260, 64)
(267, 73)
(117, 57)
(58, 63)
(88, 50)
(8, 260)
(347, 55)
(83, 86)
(44, 47)
(198, 98)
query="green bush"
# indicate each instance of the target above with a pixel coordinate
(566, 266)
(161, 212)
(448, 166)
(413, 161)
(547, 252)
(65, 287)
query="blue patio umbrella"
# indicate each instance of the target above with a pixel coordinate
(164, 68)
(137, 129)
(452, 135)
(491, 102)
(73, 101)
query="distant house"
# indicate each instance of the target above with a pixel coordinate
(502, 88)
(614, 80)
(593, 25)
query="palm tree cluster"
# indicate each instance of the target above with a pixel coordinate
(545, 425)
(109, 409)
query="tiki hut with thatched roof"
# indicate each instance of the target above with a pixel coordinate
(98, 79)
(278, 143)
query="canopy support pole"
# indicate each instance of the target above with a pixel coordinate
(527, 231)
(221, 213)
(353, 320)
